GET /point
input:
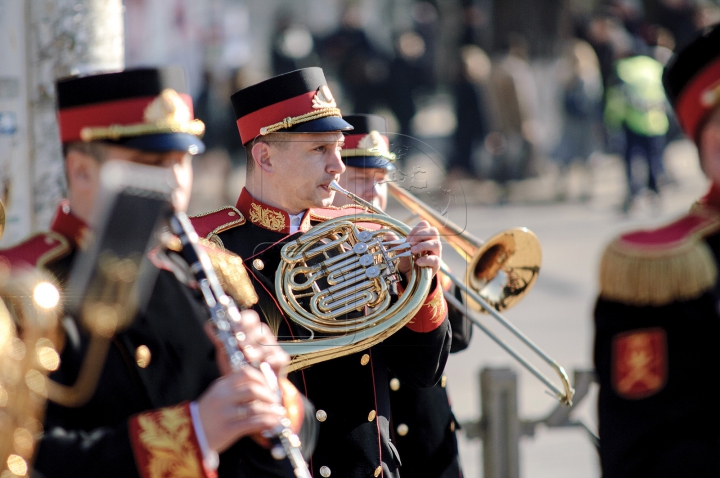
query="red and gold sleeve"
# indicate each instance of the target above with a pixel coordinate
(165, 444)
(431, 314)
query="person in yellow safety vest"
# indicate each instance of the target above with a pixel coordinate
(636, 105)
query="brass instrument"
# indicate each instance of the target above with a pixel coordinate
(344, 266)
(499, 273)
(29, 338)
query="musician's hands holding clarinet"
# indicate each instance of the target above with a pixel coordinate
(242, 403)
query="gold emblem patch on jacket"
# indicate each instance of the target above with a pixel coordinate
(639, 363)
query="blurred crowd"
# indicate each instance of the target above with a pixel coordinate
(516, 111)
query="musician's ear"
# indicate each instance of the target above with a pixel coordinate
(262, 156)
(83, 177)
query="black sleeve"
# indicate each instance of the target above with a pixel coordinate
(656, 418)
(462, 328)
(72, 453)
(419, 358)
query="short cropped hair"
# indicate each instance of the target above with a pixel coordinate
(272, 138)
(96, 149)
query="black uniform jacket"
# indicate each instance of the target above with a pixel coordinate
(423, 422)
(137, 423)
(350, 393)
(657, 323)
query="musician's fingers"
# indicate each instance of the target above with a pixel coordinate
(430, 247)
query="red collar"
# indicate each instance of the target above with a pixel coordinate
(69, 226)
(712, 198)
(266, 216)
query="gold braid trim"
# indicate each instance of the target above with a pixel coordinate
(291, 121)
(654, 279)
(117, 131)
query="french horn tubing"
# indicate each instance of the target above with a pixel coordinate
(500, 272)
(29, 340)
(336, 281)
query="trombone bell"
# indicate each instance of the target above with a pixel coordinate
(501, 270)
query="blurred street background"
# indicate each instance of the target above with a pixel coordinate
(502, 113)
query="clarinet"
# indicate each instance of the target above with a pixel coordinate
(223, 311)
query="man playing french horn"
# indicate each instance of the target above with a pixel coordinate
(161, 407)
(292, 131)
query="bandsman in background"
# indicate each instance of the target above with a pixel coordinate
(292, 132)
(657, 318)
(423, 423)
(160, 407)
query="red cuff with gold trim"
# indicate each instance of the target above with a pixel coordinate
(165, 444)
(431, 314)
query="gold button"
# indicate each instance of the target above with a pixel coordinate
(142, 356)
(402, 429)
(443, 381)
(49, 240)
(452, 426)
(324, 471)
(364, 359)
(231, 213)
(321, 415)
(371, 415)
(394, 385)
(378, 470)
(258, 264)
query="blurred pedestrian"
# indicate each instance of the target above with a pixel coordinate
(657, 317)
(515, 107)
(470, 110)
(636, 105)
(581, 98)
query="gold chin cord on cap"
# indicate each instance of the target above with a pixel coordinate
(500, 272)
(29, 344)
(289, 122)
(337, 282)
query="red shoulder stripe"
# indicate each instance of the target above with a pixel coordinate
(36, 251)
(215, 222)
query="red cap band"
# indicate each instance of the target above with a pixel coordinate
(691, 109)
(120, 112)
(250, 124)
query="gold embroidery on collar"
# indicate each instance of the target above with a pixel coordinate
(267, 218)
(437, 305)
(166, 435)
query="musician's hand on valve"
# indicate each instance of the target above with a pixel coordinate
(425, 247)
(256, 339)
(237, 405)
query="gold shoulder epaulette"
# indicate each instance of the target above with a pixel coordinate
(660, 266)
(210, 224)
(231, 272)
(36, 251)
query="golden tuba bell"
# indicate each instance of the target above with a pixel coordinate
(500, 272)
(336, 282)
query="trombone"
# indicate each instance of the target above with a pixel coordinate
(499, 273)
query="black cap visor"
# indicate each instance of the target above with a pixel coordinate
(369, 162)
(321, 125)
(163, 142)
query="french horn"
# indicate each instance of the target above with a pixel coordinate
(336, 281)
